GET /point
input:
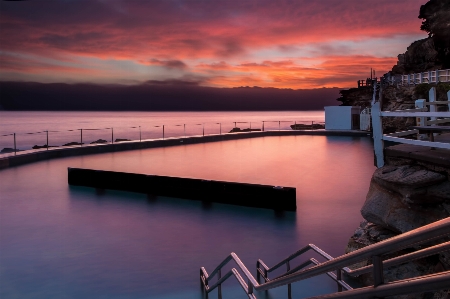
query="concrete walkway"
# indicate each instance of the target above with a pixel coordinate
(29, 156)
(424, 154)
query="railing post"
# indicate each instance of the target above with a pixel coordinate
(429, 77)
(421, 78)
(219, 288)
(184, 128)
(250, 287)
(378, 142)
(279, 123)
(81, 137)
(15, 149)
(163, 132)
(112, 135)
(437, 76)
(47, 138)
(263, 127)
(377, 270)
(420, 121)
(432, 98)
(448, 98)
(203, 130)
(339, 278)
(220, 128)
(140, 135)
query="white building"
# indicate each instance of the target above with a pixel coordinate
(342, 117)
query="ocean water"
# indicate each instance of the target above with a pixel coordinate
(64, 127)
(58, 241)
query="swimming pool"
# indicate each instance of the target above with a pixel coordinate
(58, 241)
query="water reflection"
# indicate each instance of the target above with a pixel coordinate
(59, 241)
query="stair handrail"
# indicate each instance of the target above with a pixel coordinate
(418, 236)
(427, 233)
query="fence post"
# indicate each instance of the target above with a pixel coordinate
(81, 139)
(421, 78)
(437, 76)
(448, 98)
(420, 121)
(378, 142)
(163, 132)
(47, 138)
(263, 127)
(432, 98)
(15, 149)
(279, 123)
(112, 135)
(220, 128)
(140, 135)
(184, 128)
(203, 130)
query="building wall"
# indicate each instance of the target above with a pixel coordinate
(338, 117)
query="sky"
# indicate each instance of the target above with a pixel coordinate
(300, 44)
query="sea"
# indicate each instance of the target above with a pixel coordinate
(60, 241)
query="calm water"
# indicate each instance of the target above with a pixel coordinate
(58, 241)
(64, 127)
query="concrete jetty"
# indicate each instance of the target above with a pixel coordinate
(242, 194)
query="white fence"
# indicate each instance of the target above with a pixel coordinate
(421, 115)
(365, 120)
(426, 77)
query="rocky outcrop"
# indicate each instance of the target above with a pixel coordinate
(356, 97)
(402, 198)
(433, 52)
(419, 57)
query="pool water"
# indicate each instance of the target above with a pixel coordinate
(58, 241)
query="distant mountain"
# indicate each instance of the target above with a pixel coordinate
(154, 96)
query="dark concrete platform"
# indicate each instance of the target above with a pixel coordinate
(242, 194)
(438, 157)
(30, 156)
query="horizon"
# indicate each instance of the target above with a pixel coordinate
(221, 44)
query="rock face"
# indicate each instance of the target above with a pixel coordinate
(433, 52)
(419, 57)
(402, 198)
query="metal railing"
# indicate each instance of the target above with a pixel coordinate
(111, 135)
(437, 232)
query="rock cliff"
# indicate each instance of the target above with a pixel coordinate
(401, 198)
(406, 194)
(433, 52)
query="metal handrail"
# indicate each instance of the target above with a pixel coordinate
(430, 232)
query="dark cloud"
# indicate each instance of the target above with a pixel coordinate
(171, 64)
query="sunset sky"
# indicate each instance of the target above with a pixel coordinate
(219, 43)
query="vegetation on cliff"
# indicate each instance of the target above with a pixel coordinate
(433, 52)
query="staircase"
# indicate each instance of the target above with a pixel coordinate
(435, 235)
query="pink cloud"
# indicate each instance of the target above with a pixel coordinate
(182, 35)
